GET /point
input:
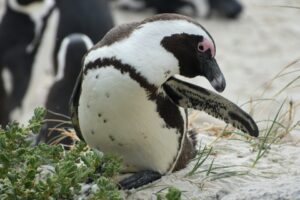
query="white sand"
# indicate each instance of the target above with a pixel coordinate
(250, 52)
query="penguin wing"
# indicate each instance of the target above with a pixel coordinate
(188, 95)
(74, 103)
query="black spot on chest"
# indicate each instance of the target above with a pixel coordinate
(112, 138)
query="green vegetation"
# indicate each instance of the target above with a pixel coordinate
(172, 194)
(201, 157)
(43, 171)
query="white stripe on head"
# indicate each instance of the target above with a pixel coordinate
(63, 51)
(36, 11)
(61, 56)
(143, 51)
(7, 80)
(2, 9)
(87, 41)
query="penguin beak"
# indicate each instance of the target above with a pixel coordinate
(214, 75)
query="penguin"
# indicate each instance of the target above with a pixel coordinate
(22, 26)
(129, 101)
(160, 6)
(230, 9)
(90, 17)
(26, 25)
(69, 56)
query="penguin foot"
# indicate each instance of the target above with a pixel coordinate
(139, 179)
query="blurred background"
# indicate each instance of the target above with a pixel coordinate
(255, 40)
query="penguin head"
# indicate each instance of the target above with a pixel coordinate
(162, 46)
(191, 45)
(71, 51)
(196, 56)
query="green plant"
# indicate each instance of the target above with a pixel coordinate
(172, 194)
(264, 144)
(44, 171)
(201, 157)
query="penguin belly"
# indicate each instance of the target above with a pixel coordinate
(116, 116)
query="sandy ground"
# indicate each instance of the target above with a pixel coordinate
(250, 52)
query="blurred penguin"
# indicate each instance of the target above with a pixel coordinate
(70, 54)
(90, 17)
(22, 26)
(201, 8)
(26, 45)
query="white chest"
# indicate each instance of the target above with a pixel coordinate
(116, 116)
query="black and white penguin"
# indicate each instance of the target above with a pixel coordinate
(70, 54)
(31, 33)
(90, 17)
(22, 26)
(128, 101)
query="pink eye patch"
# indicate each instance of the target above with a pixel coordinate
(207, 45)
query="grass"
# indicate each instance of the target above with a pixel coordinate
(201, 158)
(272, 130)
(172, 194)
(264, 145)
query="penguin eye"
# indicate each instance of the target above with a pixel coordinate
(201, 47)
(206, 46)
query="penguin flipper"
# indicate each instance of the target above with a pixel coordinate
(73, 105)
(188, 95)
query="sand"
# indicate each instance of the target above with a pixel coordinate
(250, 52)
